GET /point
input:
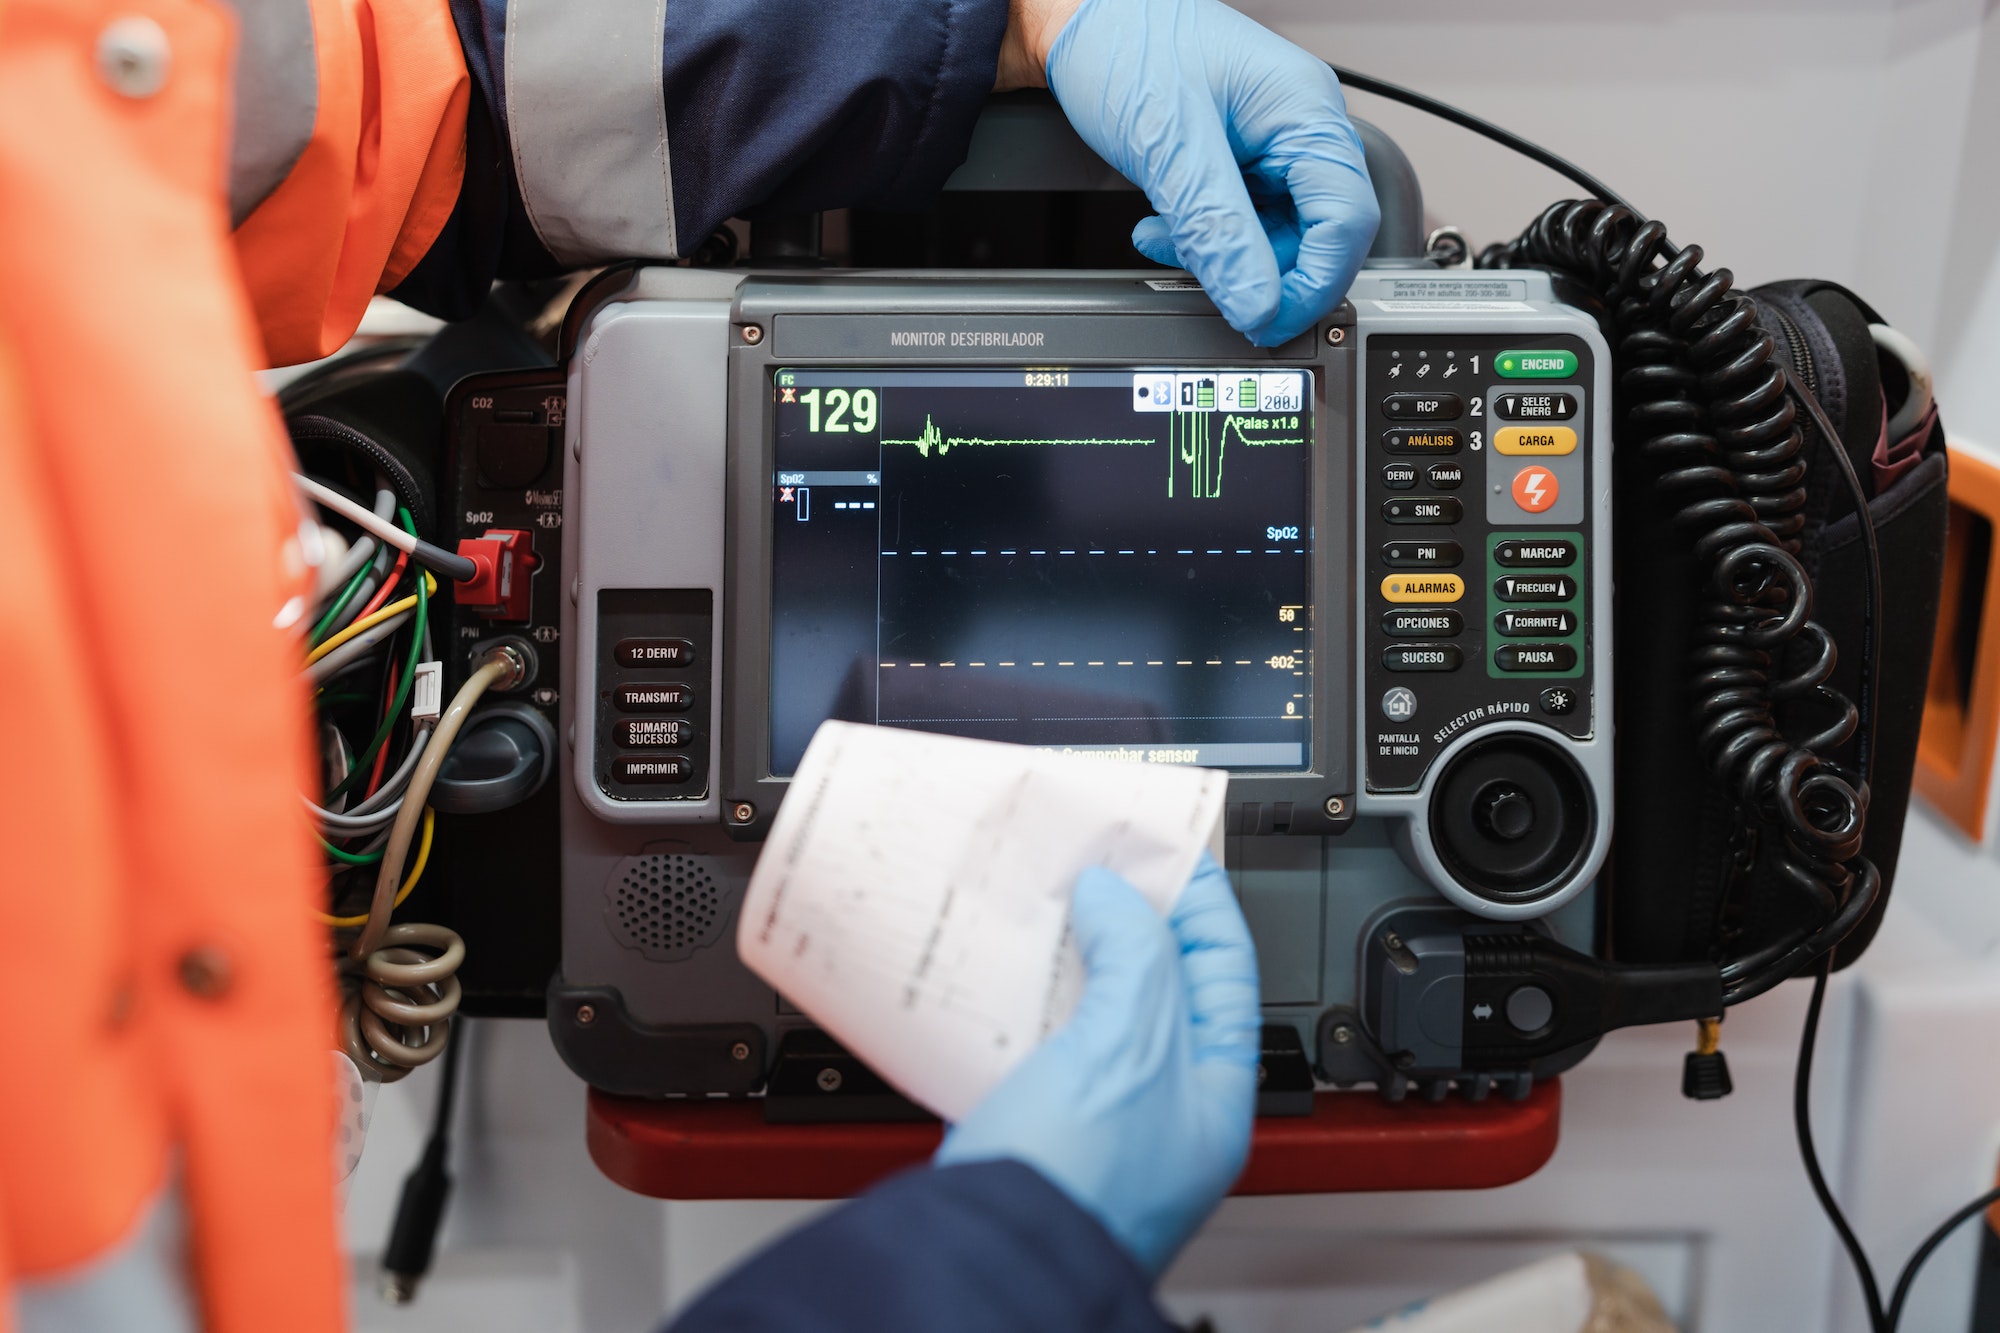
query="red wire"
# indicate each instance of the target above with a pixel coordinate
(382, 755)
(382, 593)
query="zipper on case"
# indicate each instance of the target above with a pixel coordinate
(1802, 359)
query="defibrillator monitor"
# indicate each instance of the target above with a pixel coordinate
(1366, 574)
(1115, 562)
(1362, 572)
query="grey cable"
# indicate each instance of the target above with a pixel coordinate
(361, 645)
(381, 807)
(394, 785)
(389, 875)
(353, 607)
(367, 548)
(399, 981)
(384, 557)
(347, 826)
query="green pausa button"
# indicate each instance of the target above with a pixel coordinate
(1553, 364)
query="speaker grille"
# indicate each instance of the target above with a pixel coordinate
(664, 905)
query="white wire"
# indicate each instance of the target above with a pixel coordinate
(365, 519)
(357, 555)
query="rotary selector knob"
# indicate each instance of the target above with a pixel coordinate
(1504, 812)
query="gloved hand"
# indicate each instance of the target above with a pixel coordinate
(1240, 140)
(1139, 1108)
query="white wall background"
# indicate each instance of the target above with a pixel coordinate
(1851, 139)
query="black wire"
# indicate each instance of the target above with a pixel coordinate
(420, 1209)
(1871, 1290)
(1944, 1229)
(1871, 647)
(1745, 979)
(1368, 83)
(1879, 1319)
(448, 1087)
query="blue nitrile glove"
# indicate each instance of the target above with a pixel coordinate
(1139, 1107)
(1240, 140)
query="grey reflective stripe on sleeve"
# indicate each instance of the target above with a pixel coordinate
(277, 98)
(588, 126)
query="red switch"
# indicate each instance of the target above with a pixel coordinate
(503, 559)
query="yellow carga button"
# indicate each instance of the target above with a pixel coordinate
(1423, 587)
(1534, 440)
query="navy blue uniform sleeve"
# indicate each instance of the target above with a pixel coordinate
(780, 106)
(989, 1247)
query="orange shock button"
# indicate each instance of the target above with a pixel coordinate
(1535, 489)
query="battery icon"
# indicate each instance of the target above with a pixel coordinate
(1246, 395)
(1204, 395)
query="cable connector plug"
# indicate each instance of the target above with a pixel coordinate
(426, 1190)
(1545, 997)
(1705, 1072)
(413, 1238)
(514, 653)
(502, 560)
(1444, 1002)
(427, 692)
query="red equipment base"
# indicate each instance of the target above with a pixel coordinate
(1352, 1141)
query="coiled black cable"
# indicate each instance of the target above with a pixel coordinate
(1707, 404)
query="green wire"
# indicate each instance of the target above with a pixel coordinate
(366, 759)
(352, 858)
(329, 700)
(340, 603)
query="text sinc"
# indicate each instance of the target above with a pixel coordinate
(1218, 391)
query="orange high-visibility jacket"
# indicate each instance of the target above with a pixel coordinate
(190, 189)
(165, 988)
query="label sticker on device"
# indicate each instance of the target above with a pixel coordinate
(1452, 307)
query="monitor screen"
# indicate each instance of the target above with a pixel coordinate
(1109, 561)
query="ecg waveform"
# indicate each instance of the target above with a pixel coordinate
(1201, 451)
(934, 439)
(1190, 442)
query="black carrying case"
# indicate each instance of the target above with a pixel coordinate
(1686, 883)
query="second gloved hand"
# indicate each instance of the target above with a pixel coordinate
(1140, 1107)
(1240, 140)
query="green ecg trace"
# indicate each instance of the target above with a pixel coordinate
(1189, 442)
(933, 438)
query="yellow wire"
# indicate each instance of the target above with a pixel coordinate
(416, 872)
(370, 621)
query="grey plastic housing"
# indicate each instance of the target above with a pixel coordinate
(668, 393)
(1518, 303)
(669, 421)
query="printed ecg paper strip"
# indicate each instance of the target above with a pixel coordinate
(913, 897)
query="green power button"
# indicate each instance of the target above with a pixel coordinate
(1553, 364)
